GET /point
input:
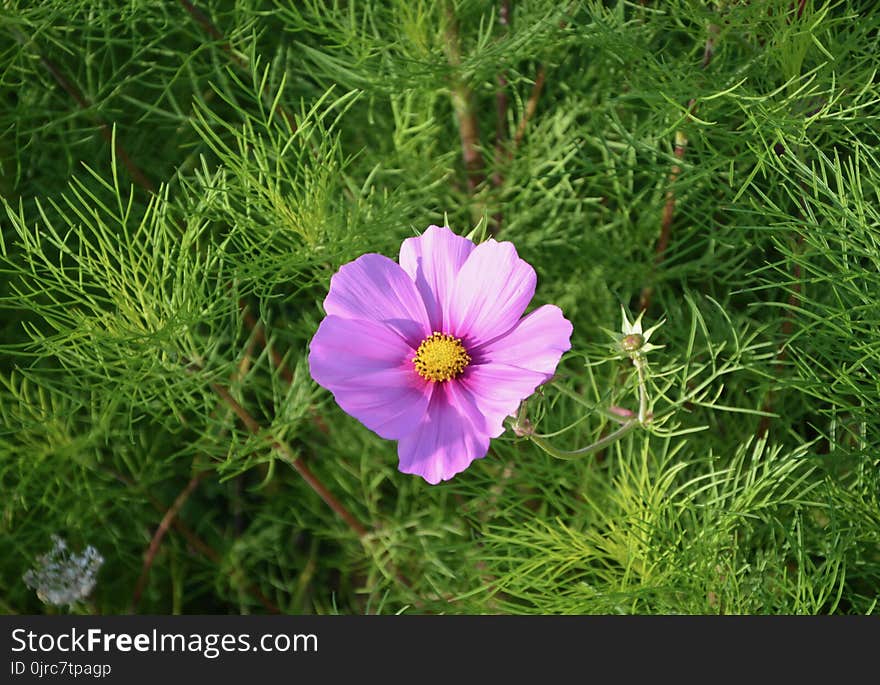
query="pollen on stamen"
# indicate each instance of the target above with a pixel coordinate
(441, 357)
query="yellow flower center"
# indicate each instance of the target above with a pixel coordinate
(441, 357)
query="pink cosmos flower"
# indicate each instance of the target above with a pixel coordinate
(433, 352)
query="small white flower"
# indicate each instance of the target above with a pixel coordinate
(62, 577)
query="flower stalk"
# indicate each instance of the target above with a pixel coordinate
(589, 449)
(630, 343)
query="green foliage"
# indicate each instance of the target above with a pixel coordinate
(179, 185)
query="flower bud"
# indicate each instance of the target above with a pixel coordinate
(632, 342)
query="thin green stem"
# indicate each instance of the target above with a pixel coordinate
(644, 416)
(640, 365)
(589, 449)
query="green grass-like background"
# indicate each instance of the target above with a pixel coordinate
(180, 180)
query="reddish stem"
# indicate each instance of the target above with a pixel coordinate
(669, 206)
(156, 540)
(106, 131)
(314, 482)
(531, 106)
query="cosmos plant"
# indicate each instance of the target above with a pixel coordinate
(434, 352)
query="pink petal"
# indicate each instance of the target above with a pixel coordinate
(369, 370)
(493, 288)
(375, 288)
(536, 343)
(444, 442)
(433, 260)
(497, 390)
